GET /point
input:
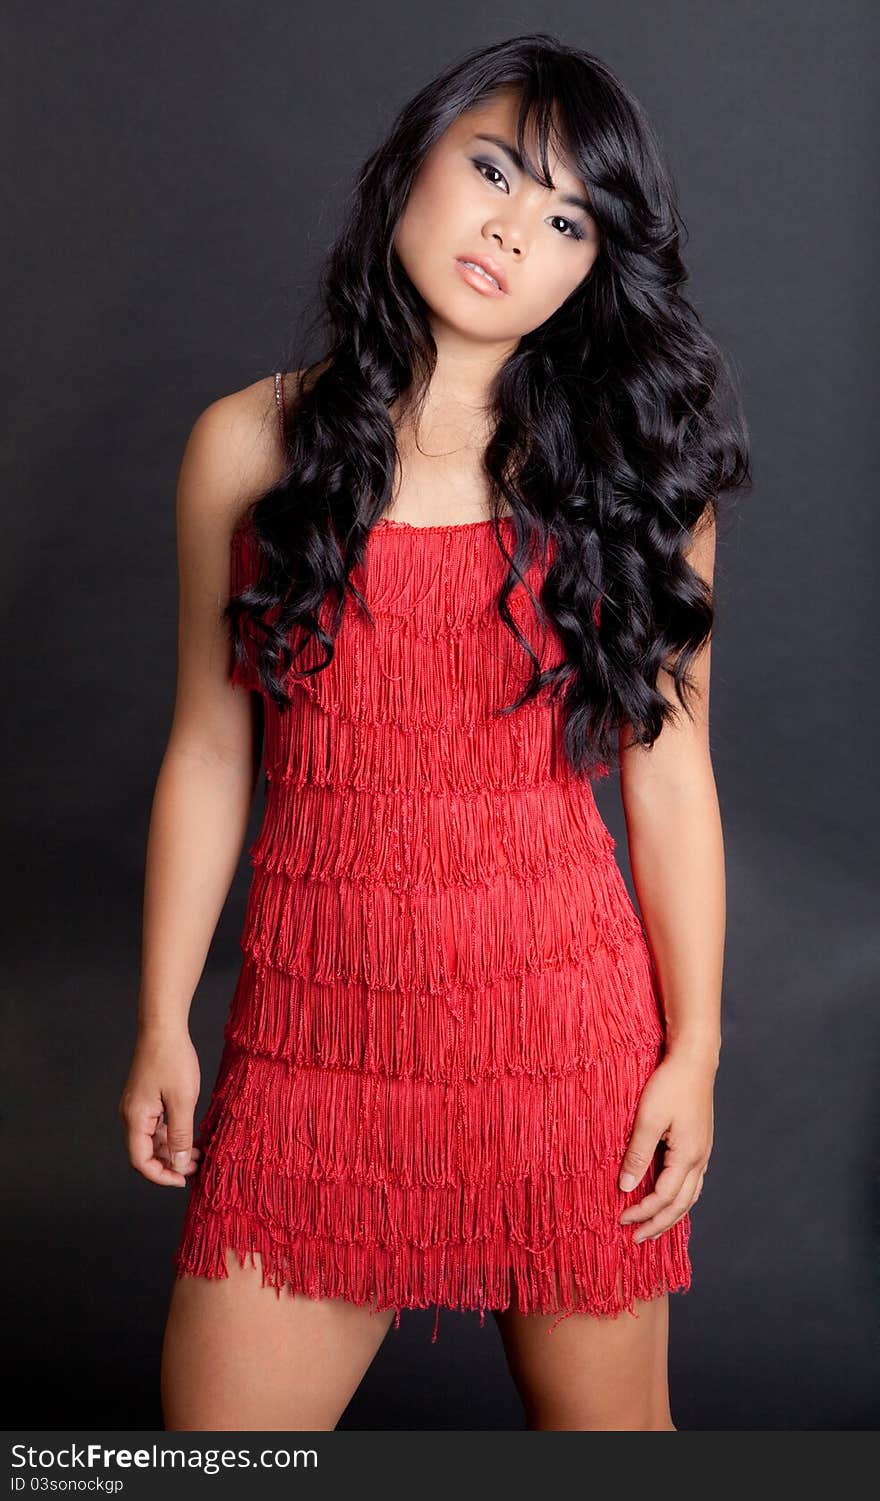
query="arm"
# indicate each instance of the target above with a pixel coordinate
(205, 787)
(677, 858)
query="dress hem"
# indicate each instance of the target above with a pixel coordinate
(606, 1278)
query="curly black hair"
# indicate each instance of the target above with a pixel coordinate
(616, 423)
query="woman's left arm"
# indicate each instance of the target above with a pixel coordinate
(676, 849)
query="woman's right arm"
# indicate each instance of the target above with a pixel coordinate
(205, 786)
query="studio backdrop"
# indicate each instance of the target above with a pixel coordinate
(175, 174)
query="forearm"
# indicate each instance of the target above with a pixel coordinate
(677, 859)
(198, 824)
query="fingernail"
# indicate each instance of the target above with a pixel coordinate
(181, 1160)
(627, 1181)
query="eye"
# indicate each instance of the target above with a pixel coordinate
(484, 167)
(576, 233)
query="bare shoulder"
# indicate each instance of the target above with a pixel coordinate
(233, 453)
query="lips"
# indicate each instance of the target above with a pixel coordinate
(489, 265)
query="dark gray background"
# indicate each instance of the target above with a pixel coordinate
(175, 173)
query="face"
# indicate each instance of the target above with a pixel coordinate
(470, 201)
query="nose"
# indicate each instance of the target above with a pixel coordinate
(510, 243)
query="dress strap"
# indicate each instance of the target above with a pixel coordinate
(279, 402)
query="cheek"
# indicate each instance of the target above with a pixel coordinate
(429, 203)
(419, 237)
(548, 289)
(411, 229)
(555, 280)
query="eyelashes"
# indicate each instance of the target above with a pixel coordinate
(484, 167)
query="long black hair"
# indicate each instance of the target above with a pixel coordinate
(617, 427)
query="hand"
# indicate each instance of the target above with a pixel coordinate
(676, 1107)
(157, 1107)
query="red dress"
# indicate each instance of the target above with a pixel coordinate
(447, 1009)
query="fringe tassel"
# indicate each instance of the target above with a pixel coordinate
(339, 831)
(547, 1024)
(437, 939)
(446, 1010)
(583, 1274)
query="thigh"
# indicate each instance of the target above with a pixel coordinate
(591, 1372)
(236, 1355)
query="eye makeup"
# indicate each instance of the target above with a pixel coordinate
(579, 231)
(571, 200)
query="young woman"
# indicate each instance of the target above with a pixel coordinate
(467, 572)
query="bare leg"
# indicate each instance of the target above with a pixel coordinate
(238, 1356)
(592, 1373)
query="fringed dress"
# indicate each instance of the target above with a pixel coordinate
(447, 1009)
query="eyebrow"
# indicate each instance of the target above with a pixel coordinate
(571, 200)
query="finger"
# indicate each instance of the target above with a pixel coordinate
(669, 1216)
(179, 1115)
(161, 1150)
(156, 1172)
(639, 1154)
(143, 1159)
(140, 1122)
(666, 1188)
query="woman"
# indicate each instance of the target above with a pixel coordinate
(470, 571)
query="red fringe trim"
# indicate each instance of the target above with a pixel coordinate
(578, 1274)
